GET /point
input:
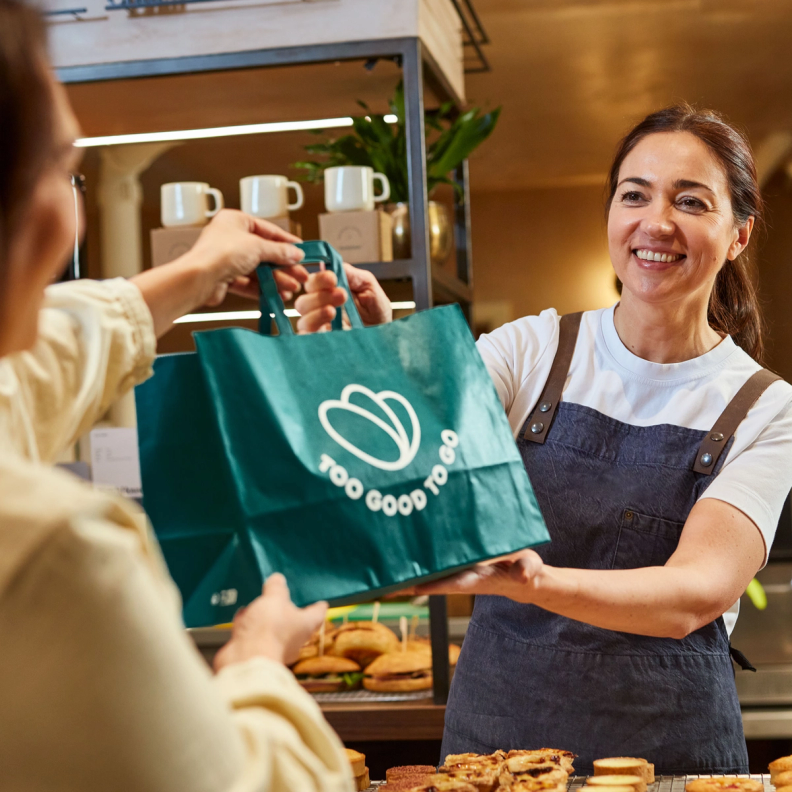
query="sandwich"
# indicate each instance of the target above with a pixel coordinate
(363, 642)
(399, 671)
(328, 674)
(424, 645)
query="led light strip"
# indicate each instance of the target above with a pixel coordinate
(214, 132)
(230, 316)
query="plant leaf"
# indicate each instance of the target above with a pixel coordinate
(469, 131)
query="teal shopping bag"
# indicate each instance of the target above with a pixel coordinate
(355, 462)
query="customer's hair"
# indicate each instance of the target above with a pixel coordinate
(26, 118)
(734, 304)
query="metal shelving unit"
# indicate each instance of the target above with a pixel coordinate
(429, 285)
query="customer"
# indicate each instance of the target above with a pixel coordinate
(613, 640)
(100, 688)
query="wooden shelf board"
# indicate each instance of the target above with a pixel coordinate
(407, 720)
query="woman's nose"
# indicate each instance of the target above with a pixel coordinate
(658, 222)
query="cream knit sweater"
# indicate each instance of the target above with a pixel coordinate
(100, 688)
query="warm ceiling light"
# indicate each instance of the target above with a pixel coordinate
(230, 316)
(214, 132)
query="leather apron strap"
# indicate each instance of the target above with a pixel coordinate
(545, 409)
(713, 444)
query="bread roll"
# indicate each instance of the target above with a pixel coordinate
(783, 788)
(624, 765)
(392, 773)
(724, 784)
(405, 782)
(442, 783)
(357, 760)
(615, 789)
(637, 782)
(779, 766)
(783, 778)
(363, 781)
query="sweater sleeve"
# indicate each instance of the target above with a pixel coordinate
(100, 671)
(96, 341)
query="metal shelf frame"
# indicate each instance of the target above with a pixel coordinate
(418, 68)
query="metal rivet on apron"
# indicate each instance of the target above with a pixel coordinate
(706, 460)
(716, 437)
(628, 515)
(537, 428)
(545, 407)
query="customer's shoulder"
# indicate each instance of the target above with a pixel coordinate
(40, 505)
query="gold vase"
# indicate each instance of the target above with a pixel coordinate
(439, 231)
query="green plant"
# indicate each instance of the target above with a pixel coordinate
(383, 146)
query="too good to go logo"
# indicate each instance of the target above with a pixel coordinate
(407, 445)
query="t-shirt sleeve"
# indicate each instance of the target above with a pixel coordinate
(512, 352)
(96, 341)
(758, 480)
(101, 672)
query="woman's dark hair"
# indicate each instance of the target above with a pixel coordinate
(26, 118)
(734, 304)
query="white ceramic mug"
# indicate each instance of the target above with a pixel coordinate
(268, 196)
(350, 188)
(187, 203)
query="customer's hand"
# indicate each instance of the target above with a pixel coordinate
(234, 244)
(271, 626)
(223, 259)
(323, 296)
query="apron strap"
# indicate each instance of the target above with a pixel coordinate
(741, 659)
(715, 442)
(545, 409)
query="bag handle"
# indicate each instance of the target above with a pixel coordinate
(271, 303)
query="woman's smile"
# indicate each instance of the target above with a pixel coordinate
(649, 256)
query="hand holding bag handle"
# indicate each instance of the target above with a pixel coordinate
(271, 303)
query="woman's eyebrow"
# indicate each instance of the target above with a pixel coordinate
(686, 184)
(635, 180)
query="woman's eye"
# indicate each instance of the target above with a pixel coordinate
(692, 204)
(632, 197)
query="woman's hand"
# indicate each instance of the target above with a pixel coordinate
(512, 576)
(234, 244)
(271, 626)
(323, 296)
(223, 259)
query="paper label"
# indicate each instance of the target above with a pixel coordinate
(115, 461)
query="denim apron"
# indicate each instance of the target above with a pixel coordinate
(614, 496)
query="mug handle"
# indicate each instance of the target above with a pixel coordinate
(385, 184)
(300, 197)
(218, 199)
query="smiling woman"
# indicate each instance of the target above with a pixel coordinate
(716, 214)
(658, 449)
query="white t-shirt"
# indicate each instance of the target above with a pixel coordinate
(605, 376)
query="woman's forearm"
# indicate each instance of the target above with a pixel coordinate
(172, 290)
(664, 601)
